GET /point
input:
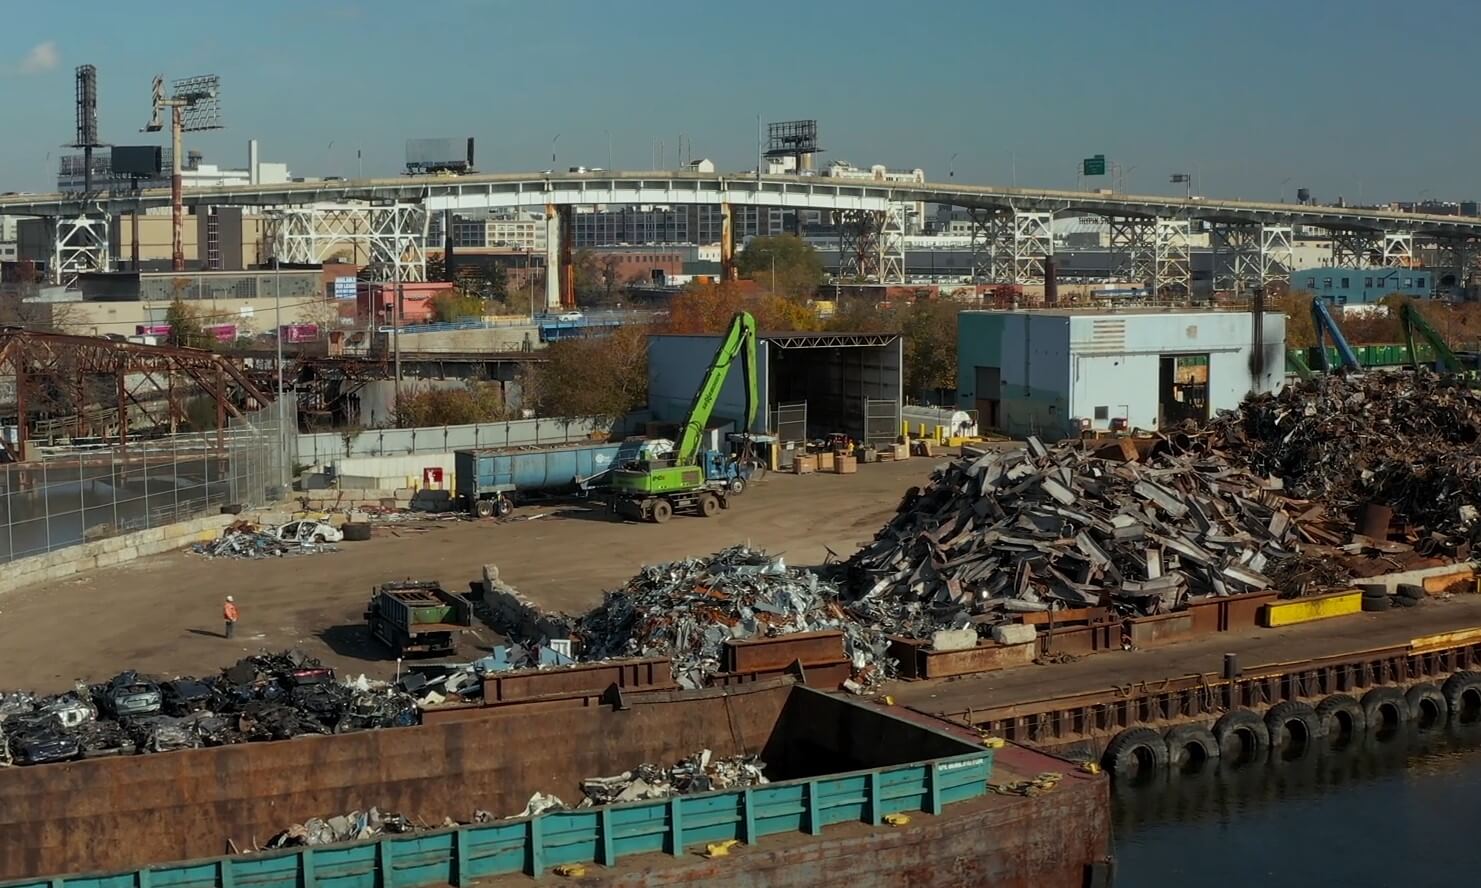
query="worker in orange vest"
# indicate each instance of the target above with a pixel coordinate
(229, 611)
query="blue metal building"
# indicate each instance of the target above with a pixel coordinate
(1364, 286)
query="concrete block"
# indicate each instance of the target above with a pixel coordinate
(1014, 634)
(954, 639)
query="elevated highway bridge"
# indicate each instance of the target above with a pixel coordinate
(1012, 227)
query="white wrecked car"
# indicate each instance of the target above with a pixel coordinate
(304, 532)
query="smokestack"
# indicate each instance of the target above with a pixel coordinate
(252, 168)
(1051, 282)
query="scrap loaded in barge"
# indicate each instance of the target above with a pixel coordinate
(859, 794)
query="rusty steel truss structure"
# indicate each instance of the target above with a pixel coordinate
(54, 384)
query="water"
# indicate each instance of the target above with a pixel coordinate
(1399, 810)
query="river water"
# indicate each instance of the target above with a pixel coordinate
(1398, 810)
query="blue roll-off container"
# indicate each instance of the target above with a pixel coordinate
(482, 474)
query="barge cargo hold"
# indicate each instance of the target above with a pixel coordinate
(838, 766)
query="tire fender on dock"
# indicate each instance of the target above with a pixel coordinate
(1385, 707)
(1463, 696)
(1241, 735)
(1342, 715)
(1190, 745)
(1427, 706)
(1135, 752)
(1288, 720)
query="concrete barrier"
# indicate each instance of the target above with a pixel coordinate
(121, 549)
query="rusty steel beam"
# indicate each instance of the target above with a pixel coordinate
(62, 364)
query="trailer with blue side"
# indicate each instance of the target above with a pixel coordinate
(489, 481)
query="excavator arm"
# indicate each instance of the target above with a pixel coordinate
(1410, 319)
(740, 341)
(1326, 326)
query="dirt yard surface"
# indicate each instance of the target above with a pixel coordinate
(162, 615)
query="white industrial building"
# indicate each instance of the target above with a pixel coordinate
(1052, 373)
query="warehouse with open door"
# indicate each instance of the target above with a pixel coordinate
(809, 385)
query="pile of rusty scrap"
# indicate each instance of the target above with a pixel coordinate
(1037, 527)
(1406, 442)
(701, 772)
(688, 609)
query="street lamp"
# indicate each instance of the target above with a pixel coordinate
(553, 140)
(951, 166)
(1283, 188)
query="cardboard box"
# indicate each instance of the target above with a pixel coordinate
(804, 465)
(845, 465)
(825, 460)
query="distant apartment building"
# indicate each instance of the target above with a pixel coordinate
(516, 231)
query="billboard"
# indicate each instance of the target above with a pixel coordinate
(439, 155)
(345, 287)
(143, 161)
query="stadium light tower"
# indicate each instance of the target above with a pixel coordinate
(195, 105)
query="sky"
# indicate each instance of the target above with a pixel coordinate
(1366, 100)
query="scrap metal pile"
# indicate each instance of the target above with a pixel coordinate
(701, 772)
(1407, 441)
(687, 609)
(1038, 527)
(262, 697)
(243, 539)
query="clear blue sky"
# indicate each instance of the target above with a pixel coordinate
(1349, 97)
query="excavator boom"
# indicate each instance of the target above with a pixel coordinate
(739, 341)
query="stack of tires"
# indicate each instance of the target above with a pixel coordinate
(1376, 597)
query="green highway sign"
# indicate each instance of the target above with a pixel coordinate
(1094, 166)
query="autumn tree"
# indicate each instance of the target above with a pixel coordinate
(604, 377)
(185, 325)
(708, 308)
(455, 305)
(785, 264)
(427, 405)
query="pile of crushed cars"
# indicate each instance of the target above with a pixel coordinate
(243, 539)
(263, 697)
(687, 610)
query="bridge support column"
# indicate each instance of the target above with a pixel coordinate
(1356, 248)
(1249, 254)
(1459, 255)
(555, 266)
(858, 245)
(1033, 241)
(1172, 272)
(1133, 247)
(79, 245)
(398, 243)
(310, 235)
(990, 232)
(727, 243)
(1398, 249)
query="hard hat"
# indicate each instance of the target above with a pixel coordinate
(229, 598)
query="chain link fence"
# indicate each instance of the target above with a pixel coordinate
(77, 494)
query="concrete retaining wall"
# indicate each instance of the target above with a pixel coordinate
(114, 550)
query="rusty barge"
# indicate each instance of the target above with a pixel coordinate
(843, 772)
